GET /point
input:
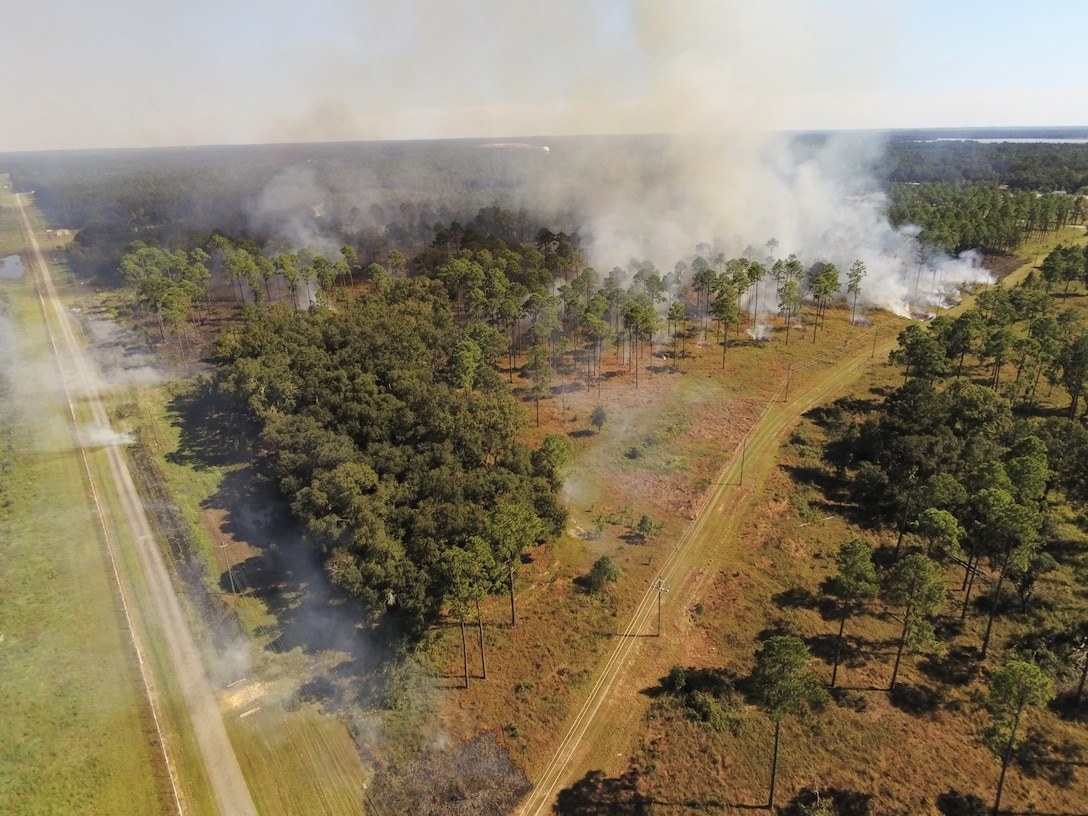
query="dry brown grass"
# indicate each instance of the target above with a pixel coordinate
(908, 755)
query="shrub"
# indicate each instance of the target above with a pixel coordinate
(677, 680)
(602, 573)
(712, 714)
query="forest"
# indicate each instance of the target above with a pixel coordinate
(392, 371)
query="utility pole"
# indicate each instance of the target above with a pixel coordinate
(661, 589)
(230, 569)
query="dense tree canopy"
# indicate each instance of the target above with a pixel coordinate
(388, 451)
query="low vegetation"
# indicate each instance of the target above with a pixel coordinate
(69, 669)
(884, 624)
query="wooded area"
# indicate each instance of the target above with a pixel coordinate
(387, 379)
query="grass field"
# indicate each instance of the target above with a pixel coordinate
(77, 735)
(658, 453)
(765, 578)
(84, 738)
(297, 758)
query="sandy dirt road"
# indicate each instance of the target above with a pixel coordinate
(79, 372)
(606, 724)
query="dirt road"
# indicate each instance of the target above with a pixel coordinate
(605, 725)
(78, 372)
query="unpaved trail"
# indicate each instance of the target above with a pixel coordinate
(606, 724)
(80, 383)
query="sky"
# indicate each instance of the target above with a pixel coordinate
(136, 73)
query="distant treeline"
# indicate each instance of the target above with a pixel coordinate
(383, 196)
(377, 196)
(408, 185)
(956, 218)
(1035, 166)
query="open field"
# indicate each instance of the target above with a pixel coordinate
(297, 758)
(771, 541)
(741, 556)
(79, 735)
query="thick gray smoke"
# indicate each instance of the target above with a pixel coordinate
(815, 198)
(721, 78)
(291, 206)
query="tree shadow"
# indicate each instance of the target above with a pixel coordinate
(955, 803)
(1067, 551)
(847, 697)
(948, 629)
(796, 597)
(311, 613)
(1055, 761)
(1066, 706)
(916, 700)
(662, 367)
(959, 667)
(596, 794)
(211, 434)
(851, 653)
(834, 491)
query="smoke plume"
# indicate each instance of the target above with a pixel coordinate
(719, 79)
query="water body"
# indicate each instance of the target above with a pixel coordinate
(11, 267)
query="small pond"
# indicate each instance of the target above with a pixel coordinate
(11, 267)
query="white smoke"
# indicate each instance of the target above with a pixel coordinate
(94, 435)
(291, 207)
(818, 200)
(721, 77)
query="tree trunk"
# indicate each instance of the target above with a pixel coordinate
(464, 649)
(1080, 685)
(902, 643)
(774, 765)
(1005, 757)
(903, 522)
(838, 643)
(483, 654)
(994, 601)
(969, 579)
(513, 618)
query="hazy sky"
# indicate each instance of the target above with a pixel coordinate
(120, 73)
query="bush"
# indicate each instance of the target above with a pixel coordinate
(677, 680)
(602, 573)
(712, 714)
(598, 418)
(648, 528)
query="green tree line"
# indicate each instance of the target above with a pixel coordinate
(404, 466)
